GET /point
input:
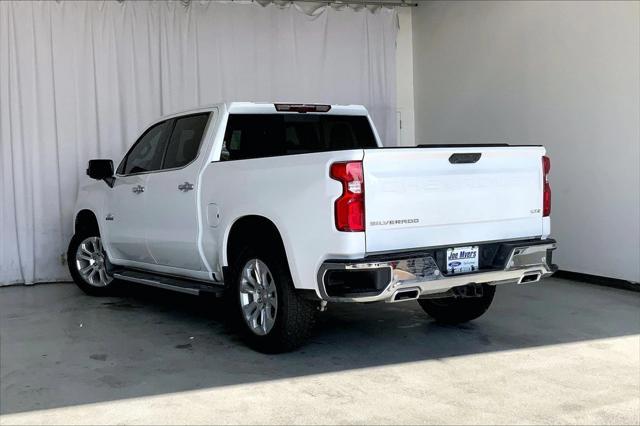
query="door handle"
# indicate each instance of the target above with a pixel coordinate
(138, 189)
(465, 158)
(185, 187)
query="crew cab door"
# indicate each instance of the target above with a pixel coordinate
(172, 197)
(126, 211)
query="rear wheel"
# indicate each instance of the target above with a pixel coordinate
(456, 310)
(87, 263)
(258, 297)
(272, 316)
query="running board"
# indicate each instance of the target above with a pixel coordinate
(181, 285)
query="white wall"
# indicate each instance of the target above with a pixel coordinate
(562, 74)
(404, 78)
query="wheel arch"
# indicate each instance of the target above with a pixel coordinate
(85, 219)
(251, 228)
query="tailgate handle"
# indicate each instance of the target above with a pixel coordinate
(465, 158)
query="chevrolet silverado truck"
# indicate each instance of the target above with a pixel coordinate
(282, 209)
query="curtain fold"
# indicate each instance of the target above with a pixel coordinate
(81, 80)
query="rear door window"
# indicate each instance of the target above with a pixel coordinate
(185, 140)
(268, 135)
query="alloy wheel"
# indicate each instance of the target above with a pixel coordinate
(91, 262)
(258, 297)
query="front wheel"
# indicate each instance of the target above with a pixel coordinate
(455, 310)
(273, 316)
(87, 263)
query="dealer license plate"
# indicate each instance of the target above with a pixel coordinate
(462, 259)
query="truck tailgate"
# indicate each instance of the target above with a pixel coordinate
(422, 197)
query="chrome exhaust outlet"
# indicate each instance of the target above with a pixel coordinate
(405, 294)
(530, 278)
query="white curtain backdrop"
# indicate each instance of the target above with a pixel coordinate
(80, 80)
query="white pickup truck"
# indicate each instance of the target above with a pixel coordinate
(283, 208)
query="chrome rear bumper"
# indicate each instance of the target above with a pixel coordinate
(419, 276)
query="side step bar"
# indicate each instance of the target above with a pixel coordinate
(181, 285)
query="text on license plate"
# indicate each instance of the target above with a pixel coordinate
(462, 259)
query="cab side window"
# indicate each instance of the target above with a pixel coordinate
(146, 154)
(185, 140)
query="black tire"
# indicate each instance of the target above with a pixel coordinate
(295, 315)
(453, 310)
(88, 288)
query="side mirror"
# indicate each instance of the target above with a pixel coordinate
(100, 170)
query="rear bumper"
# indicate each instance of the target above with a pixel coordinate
(409, 275)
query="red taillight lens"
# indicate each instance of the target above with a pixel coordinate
(349, 208)
(546, 195)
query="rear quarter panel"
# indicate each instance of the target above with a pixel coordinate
(295, 193)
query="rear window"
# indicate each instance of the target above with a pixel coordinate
(268, 135)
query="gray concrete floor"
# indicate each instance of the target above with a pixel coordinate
(553, 352)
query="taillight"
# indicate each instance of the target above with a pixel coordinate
(546, 194)
(349, 208)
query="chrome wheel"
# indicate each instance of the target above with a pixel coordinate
(258, 297)
(91, 262)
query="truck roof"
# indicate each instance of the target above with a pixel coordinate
(269, 108)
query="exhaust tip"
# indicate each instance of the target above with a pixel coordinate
(529, 278)
(402, 295)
